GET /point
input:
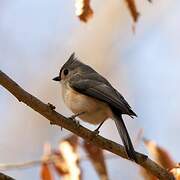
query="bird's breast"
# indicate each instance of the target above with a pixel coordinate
(95, 111)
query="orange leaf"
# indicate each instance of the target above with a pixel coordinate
(161, 155)
(73, 140)
(176, 172)
(83, 10)
(45, 172)
(97, 158)
(66, 161)
(59, 164)
(133, 10)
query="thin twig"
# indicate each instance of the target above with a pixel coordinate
(28, 164)
(60, 120)
(9, 166)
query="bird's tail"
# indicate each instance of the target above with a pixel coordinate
(125, 136)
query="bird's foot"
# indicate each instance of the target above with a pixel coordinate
(76, 122)
(96, 132)
(73, 117)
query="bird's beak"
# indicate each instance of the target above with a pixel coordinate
(56, 78)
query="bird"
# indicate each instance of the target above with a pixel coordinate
(93, 99)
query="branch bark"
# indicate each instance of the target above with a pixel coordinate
(59, 120)
(5, 177)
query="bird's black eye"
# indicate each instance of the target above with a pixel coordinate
(66, 72)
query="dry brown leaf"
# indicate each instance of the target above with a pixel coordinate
(176, 172)
(160, 155)
(45, 169)
(46, 172)
(133, 10)
(96, 156)
(73, 140)
(59, 164)
(83, 10)
(66, 161)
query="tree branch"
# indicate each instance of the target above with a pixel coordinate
(58, 119)
(5, 177)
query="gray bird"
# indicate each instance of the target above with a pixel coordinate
(93, 99)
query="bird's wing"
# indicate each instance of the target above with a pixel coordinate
(102, 91)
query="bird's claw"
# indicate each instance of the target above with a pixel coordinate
(76, 121)
(96, 132)
(73, 118)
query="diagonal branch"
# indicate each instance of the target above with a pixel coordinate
(58, 119)
(5, 177)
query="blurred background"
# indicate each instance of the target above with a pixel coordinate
(37, 37)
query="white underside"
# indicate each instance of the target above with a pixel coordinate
(95, 111)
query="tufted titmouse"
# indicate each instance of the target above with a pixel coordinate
(93, 98)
